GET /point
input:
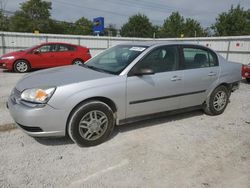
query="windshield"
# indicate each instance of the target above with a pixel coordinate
(116, 59)
(29, 48)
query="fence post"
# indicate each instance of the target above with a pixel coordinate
(3, 43)
(46, 38)
(79, 41)
(228, 49)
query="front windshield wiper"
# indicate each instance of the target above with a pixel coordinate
(97, 69)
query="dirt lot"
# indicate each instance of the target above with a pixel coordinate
(185, 150)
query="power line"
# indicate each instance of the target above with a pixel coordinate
(97, 9)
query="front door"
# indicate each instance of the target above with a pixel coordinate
(43, 56)
(147, 94)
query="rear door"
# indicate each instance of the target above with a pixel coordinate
(65, 54)
(199, 72)
(154, 93)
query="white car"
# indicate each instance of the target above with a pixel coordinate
(124, 83)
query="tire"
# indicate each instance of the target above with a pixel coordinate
(78, 62)
(91, 123)
(217, 102)
(21, 66)
(248, 80)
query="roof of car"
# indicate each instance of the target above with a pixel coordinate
(156, 43)
(57, 43)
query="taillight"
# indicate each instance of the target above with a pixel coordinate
(245, 70)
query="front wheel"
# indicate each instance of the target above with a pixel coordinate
(21, 66)
(91, 123)
(217, 101)
(248, 80)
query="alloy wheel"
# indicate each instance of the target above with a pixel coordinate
(93, 125)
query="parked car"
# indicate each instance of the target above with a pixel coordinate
(44, 56)
(246, 72)
(122, 84)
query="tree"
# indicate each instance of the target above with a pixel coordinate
(4, 22)
(192, 28)
(232, 23)
(60, 27)
(137, 26)
(83, 26)
(173, 26)
(34, 15)
(176, 26)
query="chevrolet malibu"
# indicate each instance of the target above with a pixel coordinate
(44, 56)
(123, 84)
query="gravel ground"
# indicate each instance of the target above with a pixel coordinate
(185, 150)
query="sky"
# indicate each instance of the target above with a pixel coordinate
(118, 11)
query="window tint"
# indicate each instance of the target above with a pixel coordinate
(213, 61)
(64, 47)
(198, 58)
(47, 48)
(162, 59)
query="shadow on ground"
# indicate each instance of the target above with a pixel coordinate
(124, 128)
(54, 141)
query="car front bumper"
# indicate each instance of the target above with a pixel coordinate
(38, 121)
(6, 64)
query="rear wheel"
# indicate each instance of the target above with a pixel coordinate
(21, 66)
(217, 101)
(77, 62)
(91, 123)
(248, 80)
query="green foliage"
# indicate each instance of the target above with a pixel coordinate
(34, 15)
(137, 26)
(4, 22)
(176, 26)
(192, 28)
(173, 26)
(83, 26)
(232, 23)
(60, 27)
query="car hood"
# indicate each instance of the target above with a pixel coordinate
(16, 53)
(59, 76)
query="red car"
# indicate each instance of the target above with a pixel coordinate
(246, 72)
(44, 56)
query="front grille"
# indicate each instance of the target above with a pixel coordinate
(30, 129)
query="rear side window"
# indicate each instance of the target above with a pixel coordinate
(64, 47)
(198, 58)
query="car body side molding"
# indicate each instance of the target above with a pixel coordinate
(166, 97)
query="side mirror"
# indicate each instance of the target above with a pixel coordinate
(143, 71)
(36, 52)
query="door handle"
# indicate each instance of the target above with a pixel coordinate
(175, 78)
(211, 74)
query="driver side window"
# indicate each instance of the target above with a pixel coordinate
(162, 59)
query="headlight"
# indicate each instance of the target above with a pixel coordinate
(8, 57)
(38, 95)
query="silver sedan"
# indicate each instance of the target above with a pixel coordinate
(125, 83)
